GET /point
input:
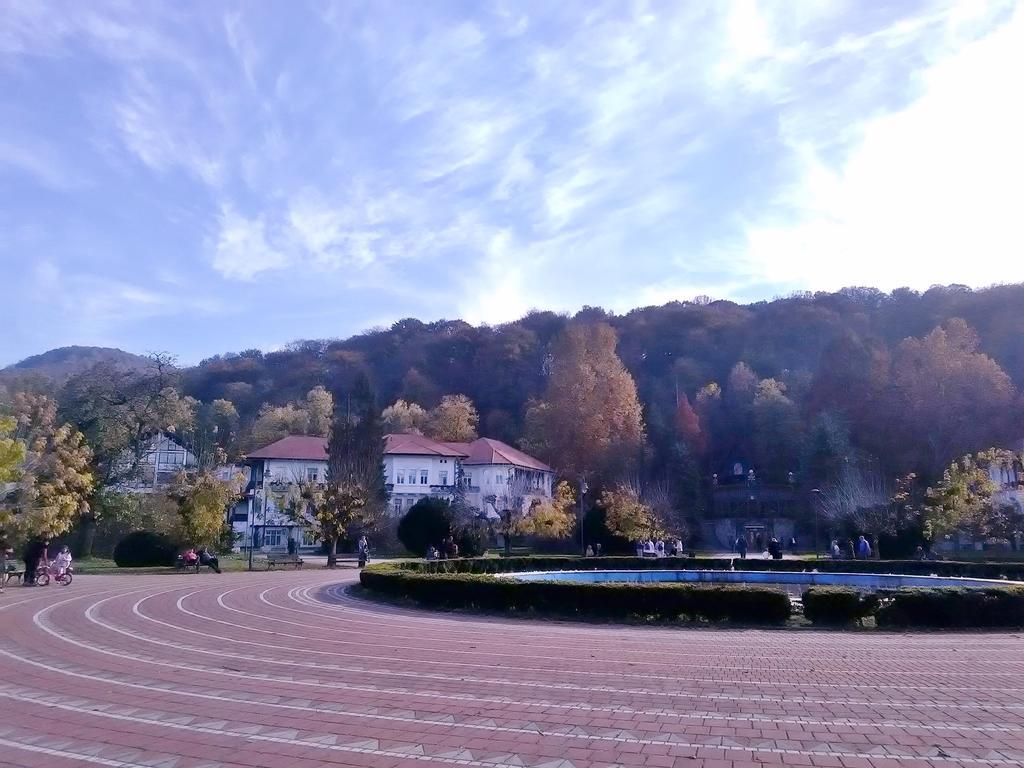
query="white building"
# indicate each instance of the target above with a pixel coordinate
(161, 459)
(414, 467)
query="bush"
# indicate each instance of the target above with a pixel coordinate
(744, 604)
(472, 541)
(954, 607)
(428, 522)
(838, 605)
(144, 548)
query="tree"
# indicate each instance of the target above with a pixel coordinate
(319, 408)
(276, 422)
(551, 518)
(589, 421)
(402, 417)
(776, 429)
(50, 488)
(353, 498)
(12, 452)
(966, 499)
(202, 501)
(688, 426)
(949, 398)
(119, 411)
(454, 420)
(427, 523)
(859, 499)
(627, 516)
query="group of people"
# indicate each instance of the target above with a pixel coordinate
(773, 550)
(861, 550)
(203, 557)
(35, 556)
(659, 548)
(448, 550)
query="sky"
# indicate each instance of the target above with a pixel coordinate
(205, 177)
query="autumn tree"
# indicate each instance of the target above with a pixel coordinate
(454, 420)
(402, 417)
(628, 517)
(320, 409)
(12, 452)
(948, 398)
(201, 501)
(551, 518)
(589, 421)
(965, 499)
(776, 422)
(50, 473)
(859, 499)
(119, 411)
(688, 426)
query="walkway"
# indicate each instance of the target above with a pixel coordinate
(284, 669)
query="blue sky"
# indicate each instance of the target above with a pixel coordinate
(206, 177)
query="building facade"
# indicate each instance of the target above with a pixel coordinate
(742, 506)
(161, 459)
(414, 467)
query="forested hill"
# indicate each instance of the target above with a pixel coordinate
(839, 351)
(907, 379)
(57, 365)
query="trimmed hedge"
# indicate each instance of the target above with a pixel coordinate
(742, 604)
(563, 563)
(144, 548)
(954, 607)
(838, 606)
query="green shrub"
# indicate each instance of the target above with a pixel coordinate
(838, 605)
(670, 601)
(144, 548)
(472, 541)
(954, 607)
(428, 522)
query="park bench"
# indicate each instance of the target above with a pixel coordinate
(284, 560)
(9, 575)
(181, 565)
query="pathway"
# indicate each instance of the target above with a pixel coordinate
(285, 669)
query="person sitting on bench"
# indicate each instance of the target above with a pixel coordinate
(205, 558)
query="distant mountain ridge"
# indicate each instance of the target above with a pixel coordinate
(61, 363)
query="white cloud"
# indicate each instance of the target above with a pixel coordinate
(931, 195)
(242, 250)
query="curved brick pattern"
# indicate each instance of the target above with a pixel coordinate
(289, 670)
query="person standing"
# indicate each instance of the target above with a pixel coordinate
(34, 552)
(363, 548)
(863, 549)
(741, 547)
(6, 553)
(849, 551)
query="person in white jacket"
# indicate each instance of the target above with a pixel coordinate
(63, 561)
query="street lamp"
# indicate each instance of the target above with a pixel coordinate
(583, 492)
(816, 495)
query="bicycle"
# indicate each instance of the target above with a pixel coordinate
(46, 570)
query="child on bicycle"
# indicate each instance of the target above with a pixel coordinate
(63, 561)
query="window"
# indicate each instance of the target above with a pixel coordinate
(311, 474)
(424, 477)
(396, 506)
(272, 537)
(442, 477)
(400, 477)
(467, 479)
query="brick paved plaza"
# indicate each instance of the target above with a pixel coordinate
(284, 669)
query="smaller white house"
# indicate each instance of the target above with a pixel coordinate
(416, 466)
(161, 459)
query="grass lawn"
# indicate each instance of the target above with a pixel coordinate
(101, 565)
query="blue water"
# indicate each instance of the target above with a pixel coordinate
(867, 581)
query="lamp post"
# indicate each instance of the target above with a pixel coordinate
(816, 496)
(583, 492)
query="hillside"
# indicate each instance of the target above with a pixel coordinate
(60, 364)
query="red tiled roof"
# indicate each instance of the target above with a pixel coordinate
(301, 447)
(484, 450)
(418, 445)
